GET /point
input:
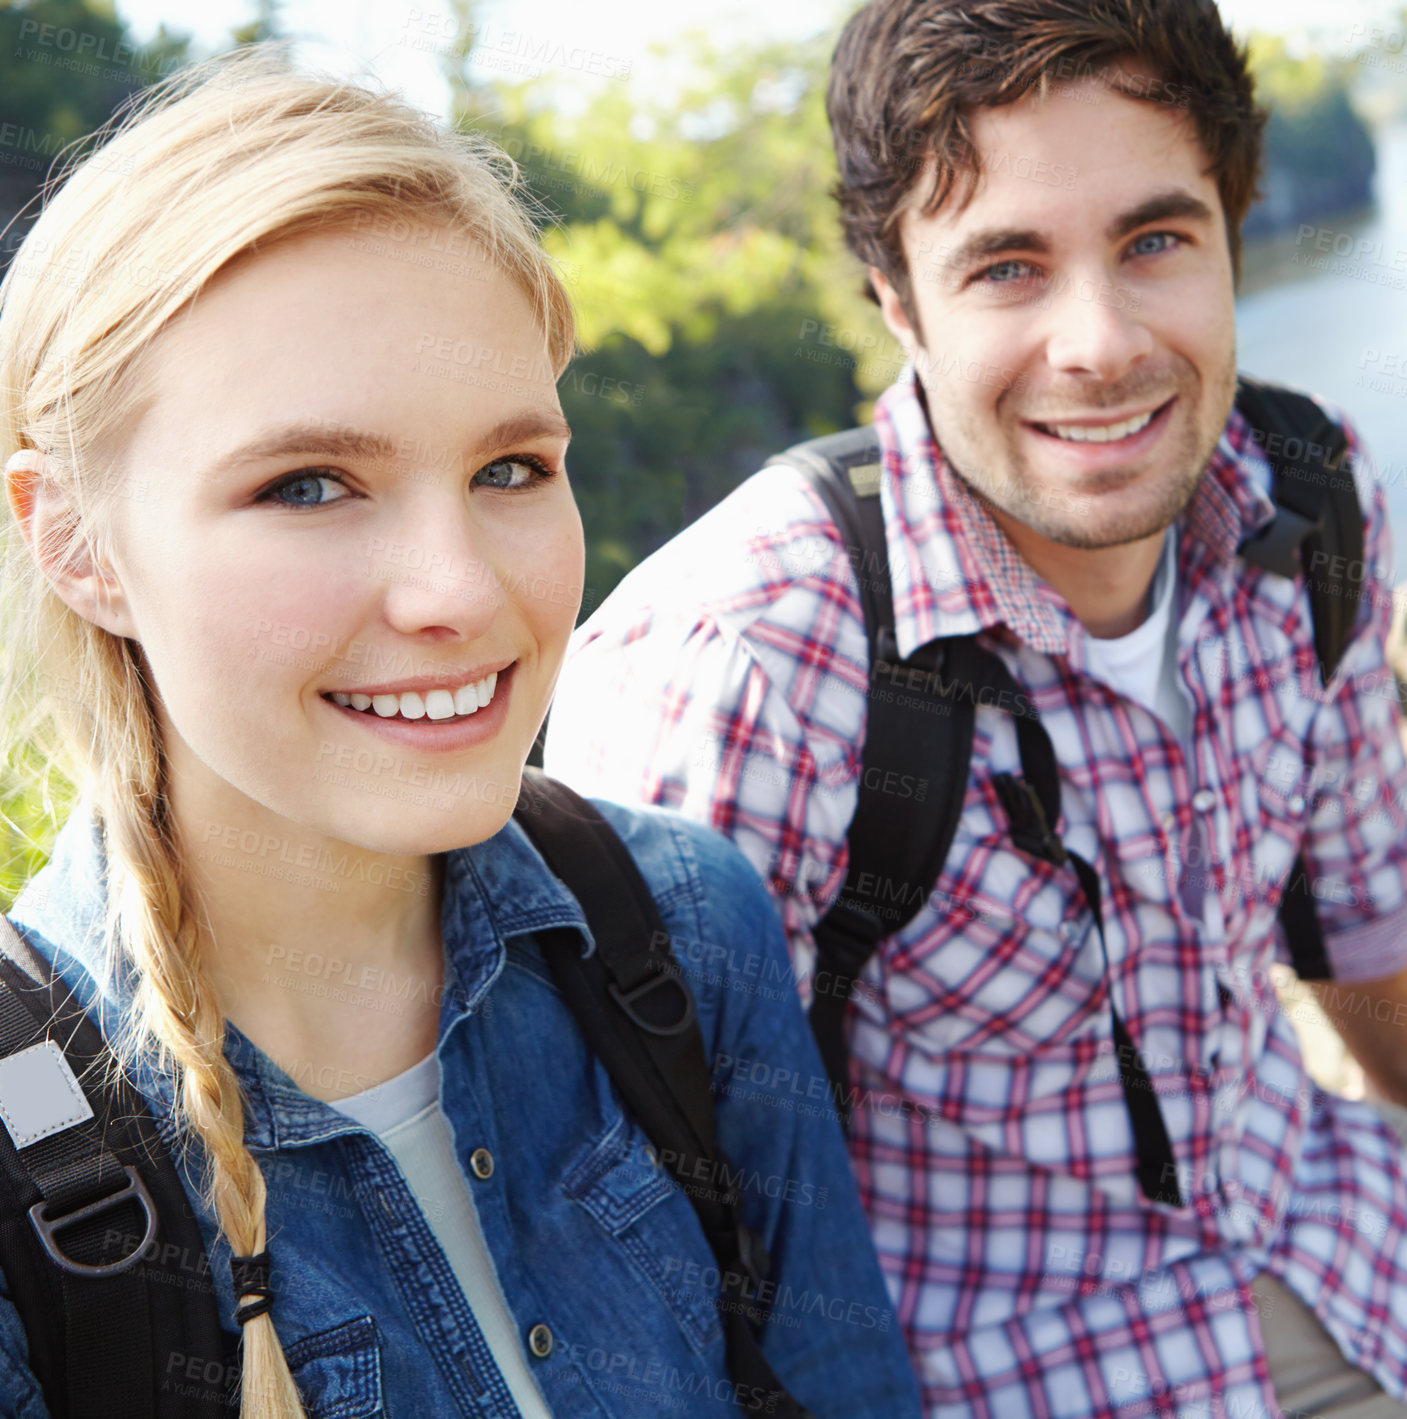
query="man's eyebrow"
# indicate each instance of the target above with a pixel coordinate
(982, 245)
(1161, 207)
(327, 440)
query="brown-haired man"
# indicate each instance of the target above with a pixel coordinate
(1047, 195)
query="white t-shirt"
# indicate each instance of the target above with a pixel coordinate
(405, 1113)
(1142, 666)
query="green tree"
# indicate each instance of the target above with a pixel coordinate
(65, 65)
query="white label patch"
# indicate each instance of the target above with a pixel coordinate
(39, 1094)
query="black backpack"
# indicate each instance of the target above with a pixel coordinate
(921, 711)
(101, 1250)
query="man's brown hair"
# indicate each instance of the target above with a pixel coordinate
(907, 73)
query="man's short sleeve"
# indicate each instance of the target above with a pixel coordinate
(1356, 846)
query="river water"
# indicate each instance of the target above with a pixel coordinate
(1336, 325)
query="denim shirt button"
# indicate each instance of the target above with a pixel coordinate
(540, 1341)
(481, 1161)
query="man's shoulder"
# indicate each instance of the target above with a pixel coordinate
(770, 541)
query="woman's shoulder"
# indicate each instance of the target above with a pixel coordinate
(679, 857)
(723, 926)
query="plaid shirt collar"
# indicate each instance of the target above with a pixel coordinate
(955, 572)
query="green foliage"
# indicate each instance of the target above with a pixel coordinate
(699, 243)
(65, 65)
(30, 814)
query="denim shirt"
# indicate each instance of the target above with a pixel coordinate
(590, 1238)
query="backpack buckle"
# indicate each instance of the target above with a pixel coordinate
(628, 999)
(47, 1227)
(1030, 830)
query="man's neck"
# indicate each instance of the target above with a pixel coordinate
(1108, 588)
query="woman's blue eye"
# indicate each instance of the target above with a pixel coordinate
(303, 489)
(520, 472)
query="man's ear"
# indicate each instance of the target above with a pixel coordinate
(48, 523)
(896, 318)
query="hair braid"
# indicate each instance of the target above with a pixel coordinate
(178, 1018)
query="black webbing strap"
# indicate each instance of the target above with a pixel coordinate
(1032, 804)
(71, 1171)
(914, 765)
(99, 1194)
(1317, 533)
(636, 1013)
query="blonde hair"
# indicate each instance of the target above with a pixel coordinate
(231, 154)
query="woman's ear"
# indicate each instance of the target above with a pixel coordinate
(48, 523)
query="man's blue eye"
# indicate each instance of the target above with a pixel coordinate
(1165, 240)
(304, 489)
(1005, 271)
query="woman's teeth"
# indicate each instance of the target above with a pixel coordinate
(1101, 433)
(435, 704)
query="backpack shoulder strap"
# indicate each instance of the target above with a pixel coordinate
(917, 751)
(102, 1251)
(1317, 533)
(844, 472)
(636, 1012)
(1318, 523)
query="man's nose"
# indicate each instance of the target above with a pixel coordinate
(1095, 329)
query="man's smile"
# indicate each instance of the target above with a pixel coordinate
(1096, 441)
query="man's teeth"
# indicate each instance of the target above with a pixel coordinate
(435, 704)
(1104, 433)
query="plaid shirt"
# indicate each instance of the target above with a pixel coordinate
(727, 677)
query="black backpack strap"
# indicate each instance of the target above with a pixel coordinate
(636, 1012)
(914, 766)
(1319, 520)
(1032, 804)
(1318, 527)
(103, 1255)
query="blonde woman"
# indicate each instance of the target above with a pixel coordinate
(292, 567)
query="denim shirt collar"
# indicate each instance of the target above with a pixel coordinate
(493, 891)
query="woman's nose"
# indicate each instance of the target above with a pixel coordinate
(437, 572)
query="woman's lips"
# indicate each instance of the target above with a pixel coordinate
(436, 735)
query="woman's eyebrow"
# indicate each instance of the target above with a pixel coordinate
(530, 424)
(328, 440)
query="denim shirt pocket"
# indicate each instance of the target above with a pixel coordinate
(618, 1183)
(338, 1371)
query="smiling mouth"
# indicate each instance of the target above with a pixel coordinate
(1101, 433)
(441, 706)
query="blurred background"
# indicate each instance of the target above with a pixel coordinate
(682, 154)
